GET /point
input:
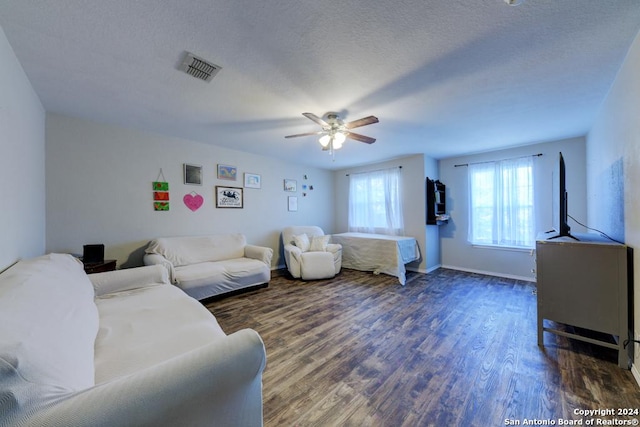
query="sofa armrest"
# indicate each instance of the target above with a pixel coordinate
(128, 278)
(260, 253)
(293, 259)
(153, 259)
(217, 384)
(334, 248)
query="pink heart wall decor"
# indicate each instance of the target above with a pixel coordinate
(193, 202)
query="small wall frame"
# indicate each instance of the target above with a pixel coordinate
(292, 202)
(290, 185)
(229, 197)
(227, 172)
(192, 174)
(252, 180)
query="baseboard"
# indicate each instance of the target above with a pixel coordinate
(422, 270)
(491, 273)
(636, 373)
(468, 270)
(417, 270)
(429, 270)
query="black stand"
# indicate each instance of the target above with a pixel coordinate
(563, 235)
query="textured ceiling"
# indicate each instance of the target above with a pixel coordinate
(444, 77)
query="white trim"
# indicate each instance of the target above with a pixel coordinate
(429, 270)
(504, 247)
(636, 373)
(422, 270)
(450, 267)
(491, 273)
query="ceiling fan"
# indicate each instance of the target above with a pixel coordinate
(335, 131)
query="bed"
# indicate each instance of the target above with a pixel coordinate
(378, 253)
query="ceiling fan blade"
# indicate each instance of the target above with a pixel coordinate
(316, 119)
(304, 134)
(360, 138)
(361, 122)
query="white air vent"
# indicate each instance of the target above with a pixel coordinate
(199, 68)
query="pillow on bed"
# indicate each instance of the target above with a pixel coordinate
(302, 241)
(319, 243)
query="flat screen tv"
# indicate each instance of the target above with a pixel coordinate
(561, 214)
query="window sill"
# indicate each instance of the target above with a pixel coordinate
(504, 248)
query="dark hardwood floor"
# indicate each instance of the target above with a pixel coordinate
(448, 349)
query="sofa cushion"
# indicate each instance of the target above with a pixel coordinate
(194, 249)
(319, 243)
(302, 241)
(49, 326)
(212, 278)
(143, 327)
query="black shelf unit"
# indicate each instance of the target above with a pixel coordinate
(436, 202)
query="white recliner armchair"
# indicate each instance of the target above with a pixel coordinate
(308, 253)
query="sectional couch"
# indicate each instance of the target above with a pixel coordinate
(122, 348)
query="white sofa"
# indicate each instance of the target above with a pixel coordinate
(122, 348)
(308, 253)
(206, 266)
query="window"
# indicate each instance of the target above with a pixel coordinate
(375, 204)
(501, 203)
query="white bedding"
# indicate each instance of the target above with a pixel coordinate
(379, 253)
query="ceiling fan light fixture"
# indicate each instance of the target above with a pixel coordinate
(333, 140)
(335, 132)
(324, 140)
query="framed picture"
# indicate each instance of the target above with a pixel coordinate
(227, 172)
(293, 203)
(228, 197)
(290, 185)
(192, 174)
(252, 180)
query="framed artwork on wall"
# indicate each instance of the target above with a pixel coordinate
(293, 203)
(290, 185)
(252, 180)
(227, 172)
(192, 174)
(228, 197)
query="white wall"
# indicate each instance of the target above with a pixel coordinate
(413, 199)
(22, 189)
(458, 253)
(613, 166)
(99, 190)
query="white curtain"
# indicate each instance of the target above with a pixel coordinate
(501, 203)
(375, 202)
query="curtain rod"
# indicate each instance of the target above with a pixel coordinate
(377, 170)
(491, 161)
